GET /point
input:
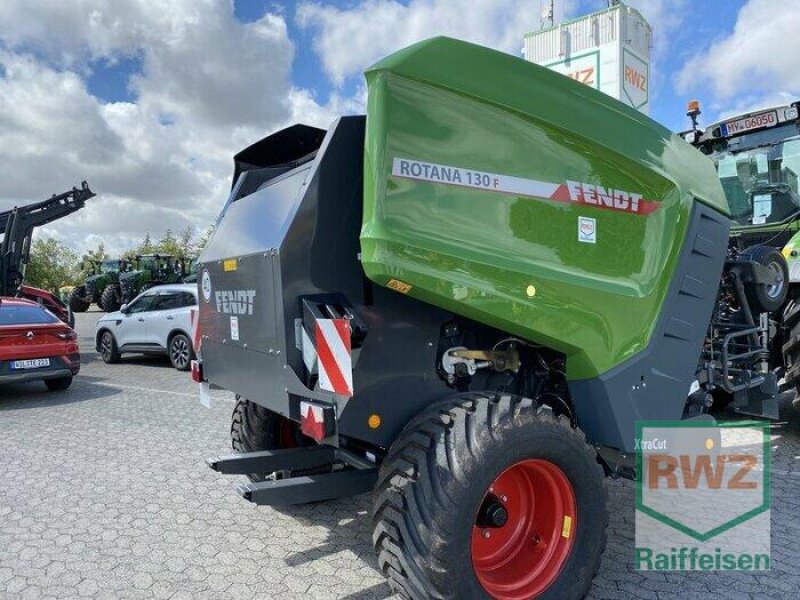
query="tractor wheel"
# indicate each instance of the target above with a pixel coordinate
(77, 302)
(490, 496)
(110, 300)
(767, 298)
(255, 428)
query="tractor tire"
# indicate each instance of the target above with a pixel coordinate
(480, 492)
(767, 298)
(77, 301)
(109, 351)
(255, 428)
(110, 300)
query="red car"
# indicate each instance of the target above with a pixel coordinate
(35, 345)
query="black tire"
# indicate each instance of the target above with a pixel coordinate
(58, 385)
(110, 301)
(254, 428)
(767, 298)
(108, 348)
(181, 352)
(77, 300)
(438, 473)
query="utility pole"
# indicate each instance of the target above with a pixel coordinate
(547, 15)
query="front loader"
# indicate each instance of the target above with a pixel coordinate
(17, 226)
(463, 303)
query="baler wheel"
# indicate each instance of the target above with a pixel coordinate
(490, 495)
(255, 428)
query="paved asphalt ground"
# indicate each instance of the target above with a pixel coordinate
(104, 493)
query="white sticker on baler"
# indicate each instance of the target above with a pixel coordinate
(205, 285)
(587, 230)
(235, 329)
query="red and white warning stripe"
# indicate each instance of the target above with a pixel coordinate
(194, 321)
(577, 192)
(335, 355)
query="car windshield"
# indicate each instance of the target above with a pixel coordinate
(108, 266)
(149, 263)
(760, 181)
(16, 314)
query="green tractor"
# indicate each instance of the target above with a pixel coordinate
(149, 270)
(103, 274)
(757, 156)
(191, 271)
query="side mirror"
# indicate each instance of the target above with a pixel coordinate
(124, 309)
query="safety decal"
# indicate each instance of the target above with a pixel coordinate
(332, 338)
(587, 230)
(205, 285)
(587, 194)
(194, 323)
(235, 329)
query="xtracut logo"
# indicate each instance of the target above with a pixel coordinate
(702, 497)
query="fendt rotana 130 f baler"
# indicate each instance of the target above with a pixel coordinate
(463, 302)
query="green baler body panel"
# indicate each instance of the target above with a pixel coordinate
(463, 148)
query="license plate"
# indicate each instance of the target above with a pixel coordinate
(759, 121)
(35, 363)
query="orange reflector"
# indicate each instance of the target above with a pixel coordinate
(374, 421)
(694, 106)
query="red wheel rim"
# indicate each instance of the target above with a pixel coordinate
(523, 558)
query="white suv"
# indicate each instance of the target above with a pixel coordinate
(155, 322)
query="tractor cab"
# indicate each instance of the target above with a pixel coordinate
(757, 156)
(150, 270)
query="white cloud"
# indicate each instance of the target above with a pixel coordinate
(762, 52)
(348, 40)
(209, 86)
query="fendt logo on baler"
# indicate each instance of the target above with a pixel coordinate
(235, 302)
(571, 191)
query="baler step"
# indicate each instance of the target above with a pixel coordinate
(315, 488)
(269, 461)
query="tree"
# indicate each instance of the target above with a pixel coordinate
(168, 244)
(203, 241)
(52, 265)
(146, 247)
(90, 257)
(186, 242)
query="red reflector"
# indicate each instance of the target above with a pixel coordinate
(317, 422)
(197, 371)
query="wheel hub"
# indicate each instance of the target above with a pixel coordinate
(524, 530)
(492, 514)
(774, 290)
